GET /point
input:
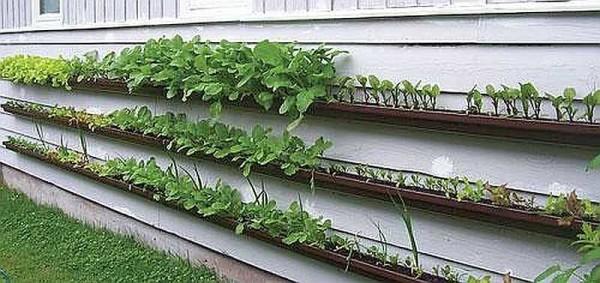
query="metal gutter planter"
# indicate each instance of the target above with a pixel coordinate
(360, 264)
(540, 130)
(351, 184)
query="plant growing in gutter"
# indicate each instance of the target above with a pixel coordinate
(28, 69)
(569, 95)
(474, 101)
(588, 244)
(495, 96)
(568, 207)
(293, 225)
(268, 72)
(346, 89)
(530, 97)
(510, 96)
(259, 147)
(272, 74)
(558, 104)
(590, 101)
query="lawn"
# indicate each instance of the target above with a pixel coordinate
(42, 244)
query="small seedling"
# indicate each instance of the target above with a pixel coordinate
(569, 95)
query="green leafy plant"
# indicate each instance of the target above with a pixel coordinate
(590, 101)
(510, 96)
(474, 100)
(530, 97)
(259, 147)
(268, 72)
(569, 95)
(589, 247)
(293, 225)
(28, 69)
(557, 103)
(495, 96)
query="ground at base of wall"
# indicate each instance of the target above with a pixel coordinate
(42, 244)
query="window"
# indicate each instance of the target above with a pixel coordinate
(49, 7)
(47, 12)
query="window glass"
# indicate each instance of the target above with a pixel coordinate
(49, 6)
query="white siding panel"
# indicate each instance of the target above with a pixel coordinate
(109, 10)
(16, 12)
(401, 3)
(131, 8)
(156, 9)
(21, 12)
(506, 1)
(296, 5)
(10, 12)
(320, 5)
(100, 14)
(119, 10)
(371, 4)
(4, 9)
(344, 5)
(170, 8)
(427, 3)
(258, 6)
(90, 11)
(143, 9)
(274, 6)
(28, 13)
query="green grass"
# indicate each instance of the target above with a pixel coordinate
(42, 244)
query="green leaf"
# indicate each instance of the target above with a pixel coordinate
(239, 229)
(547, 273)
(564, 276)
(569, 93)
(287, 103)
(294, 123)
(215, 109)
(269, 53)
(303, 100)
(265, 99)
(200, 63)
(594, 164)
(213, 89)
(374, 81)
(591, 256)
(595, 274)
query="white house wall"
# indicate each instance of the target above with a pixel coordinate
(551, 50)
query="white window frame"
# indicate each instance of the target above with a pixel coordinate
(50, 19)
(206, 9)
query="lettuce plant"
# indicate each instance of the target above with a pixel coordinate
(495, 96)
(474, 100)
(590, 101)
(557, 102)
(28, 69)
(259, 147)
(569, 95)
